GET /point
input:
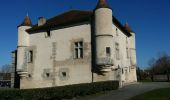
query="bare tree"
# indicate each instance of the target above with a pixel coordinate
(161, 65)
(152, 68)
(6, 68)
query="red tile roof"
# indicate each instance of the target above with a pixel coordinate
(102, 4)
(26, 22)
(128, 28)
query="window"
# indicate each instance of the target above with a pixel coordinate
(29, 75)
(48, 34)
(64, 74)
(108, 51)
(78, 50)
(127, 52)
(117, 51)
(47, 75)
(122, 71)
(117, 34)
(30, 56)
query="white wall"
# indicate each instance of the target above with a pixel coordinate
(55, 54)
(45, 59)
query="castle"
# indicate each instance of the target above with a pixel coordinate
(74, 47)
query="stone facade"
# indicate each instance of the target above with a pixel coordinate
(85, 51)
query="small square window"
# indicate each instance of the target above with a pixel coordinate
(64, 74)
(47, 75)
(29, 75)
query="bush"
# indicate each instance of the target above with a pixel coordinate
(57, 93)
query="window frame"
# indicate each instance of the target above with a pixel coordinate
(30, 56)
(108, 51)
(78, 50)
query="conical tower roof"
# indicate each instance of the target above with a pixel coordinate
(26, 22)
(102, 4)
(128, 28)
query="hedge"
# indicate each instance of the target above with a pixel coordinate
(58, 93)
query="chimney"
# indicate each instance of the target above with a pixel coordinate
(41, 21)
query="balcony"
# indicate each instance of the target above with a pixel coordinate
(22, 73)
(105, 64)
(107, 61)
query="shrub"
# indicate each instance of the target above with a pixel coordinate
(57, 93)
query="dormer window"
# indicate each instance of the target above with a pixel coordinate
(48, 34)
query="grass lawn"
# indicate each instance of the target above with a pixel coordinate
(158, 94)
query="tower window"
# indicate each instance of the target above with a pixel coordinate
(30, 56)
(108, 51)
(78, 50)
(117, 51)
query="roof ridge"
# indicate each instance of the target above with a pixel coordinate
(62, 13)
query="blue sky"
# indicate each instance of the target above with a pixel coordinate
(150, 19)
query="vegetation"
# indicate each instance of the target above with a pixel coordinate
(58, 93)
(157, 66)
(5, 68)
(159, 94)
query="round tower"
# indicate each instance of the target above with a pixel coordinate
(132, 47)
(104, 36)
(132, 44)
(23, 43)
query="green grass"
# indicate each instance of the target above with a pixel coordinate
(158, 94)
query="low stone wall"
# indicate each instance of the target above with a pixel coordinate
(161, 77)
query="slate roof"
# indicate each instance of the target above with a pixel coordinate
(70, 18)
(67, 18)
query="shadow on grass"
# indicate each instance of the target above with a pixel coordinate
(158, 94)
(153, 81)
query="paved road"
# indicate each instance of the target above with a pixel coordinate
(129, 91)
